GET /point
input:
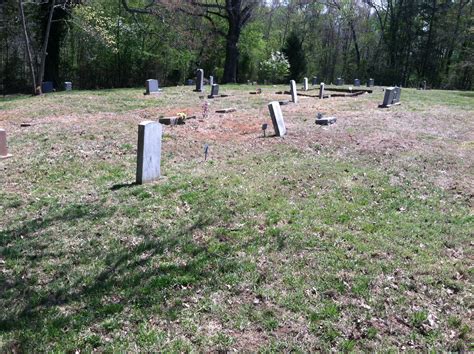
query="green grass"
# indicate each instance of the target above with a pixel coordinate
(245, 252)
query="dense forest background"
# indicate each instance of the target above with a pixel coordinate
(121, 43)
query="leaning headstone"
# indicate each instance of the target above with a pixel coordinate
(277, 118)
(314, 81)
(321, 91)
(47, 87)
(305, 84)
(339, 82)
(357, 83)
(68, 86)
(294, 94)
(214, 91)
(211, 80)
(3, 145)
(392, 97)
(199, 80)
(370, 83)
(151, 87)
(149, 151)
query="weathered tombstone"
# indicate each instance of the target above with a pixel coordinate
(320, 120)
(199, 80)
(357, 82)
(294, 94)
(277, 118)
(321, 91)
(3, 145)
(314, 81)
(47, 87)
(149, 151)
(339, 82)
(151, 87)
(68, 86)
(424, 84)
(305, 84)
(214, 90)
(370, 83)
(211, 80)
(392, 96)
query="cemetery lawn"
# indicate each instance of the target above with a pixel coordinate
(356, 236)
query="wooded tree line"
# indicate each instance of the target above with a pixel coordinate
(121, 43)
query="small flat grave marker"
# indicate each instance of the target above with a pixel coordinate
(264, 128)
(149, 151)
(226, 110)
(277, 118)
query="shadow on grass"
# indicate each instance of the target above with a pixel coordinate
(147, 274)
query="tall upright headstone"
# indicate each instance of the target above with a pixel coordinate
(314, 82)
(68, 86)
(151, 87)
(199, 80)
(211, 80)
(149, 151)
(305, 84)
(294, 94)
(277, 118)
(3, 145)
(321, 91)
(357, 83)
(370, 83)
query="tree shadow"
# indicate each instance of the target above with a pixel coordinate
(135, 273)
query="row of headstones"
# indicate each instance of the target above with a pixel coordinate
(339, 82)
(48, 87)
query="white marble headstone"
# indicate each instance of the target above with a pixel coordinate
(277, 118)
(149, 151)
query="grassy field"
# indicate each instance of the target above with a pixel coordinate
(357, 236)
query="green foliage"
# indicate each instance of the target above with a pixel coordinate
(295, 53)
(275, 69)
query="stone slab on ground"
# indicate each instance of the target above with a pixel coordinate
(226, 110)
(326, 121)
(174, 120)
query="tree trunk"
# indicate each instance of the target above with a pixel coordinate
(44, 51)
(27, 46)
(232, 56)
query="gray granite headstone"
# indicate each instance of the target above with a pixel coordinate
(68, 86)
(424, 84)
(314, 82)
(277, 118)
(294, 94)
(149, 151)
(391, 97)
(214, 90)
(370, 83)
(321, 90)
(199, 80)
(211, 80)
(356, 82)
(151, 86)
(3, 145)
(305, 84)
(47, 87)
(339, 82)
